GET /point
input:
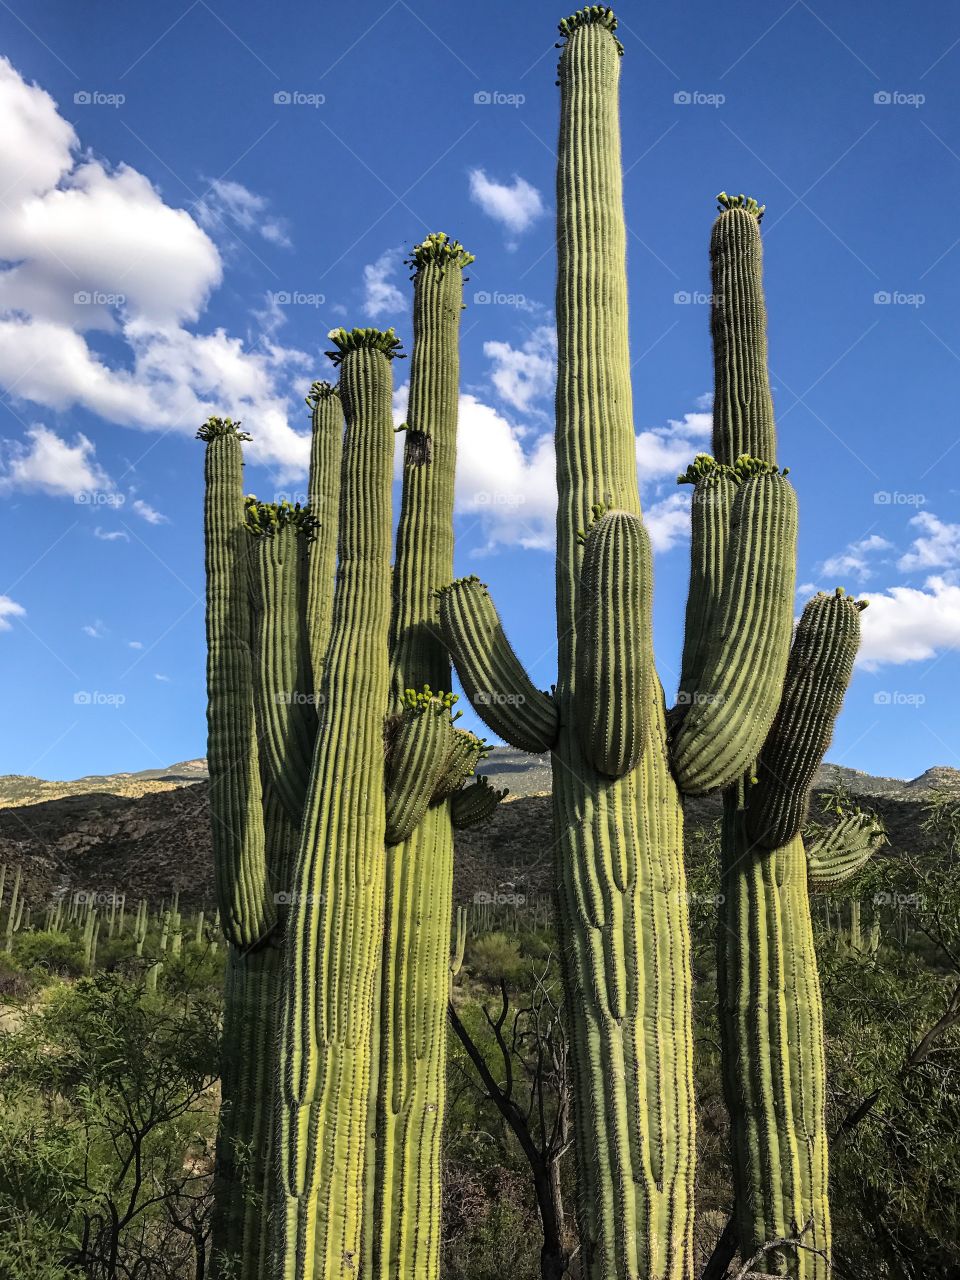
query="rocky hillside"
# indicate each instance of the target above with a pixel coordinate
(149, 833)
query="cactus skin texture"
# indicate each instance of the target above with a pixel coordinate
(615, 671)
(336, 917)
(619, 855)
(818, 673)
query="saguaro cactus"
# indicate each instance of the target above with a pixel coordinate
(619, 856)
(262, 721)
(429, 761)
(770, 744)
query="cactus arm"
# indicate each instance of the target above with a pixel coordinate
(714, 488)
(746, 661)
(493, 678)
(323, 499)
(837, 855)
(335, 922)
(619, 858)
(616, 650)
(475, 804)
(236, 810)
(818, 673)
(408, 1094)
(417, 755)
(283, 689)
(466, 752)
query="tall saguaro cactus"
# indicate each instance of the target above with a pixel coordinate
(619, 825)
(769, 707)
(403, 1210)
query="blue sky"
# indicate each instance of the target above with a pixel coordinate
(192, 196)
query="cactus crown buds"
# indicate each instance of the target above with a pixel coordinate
(747, 203)
(321, 391)
(214, 428)
(384, 340)
(438, 247)
(268, 518)
(593, 15)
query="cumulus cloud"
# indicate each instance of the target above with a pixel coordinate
(111, 535)
(516, 204)
(668, 521)
(522, 375)
(854, 559)
(95, 630)
(228, 204)
(45, 463)
(910, 624)
(936, 547)
(88, 248)
(9, 609)
(380, 295)
(664, 452)
(148, 513)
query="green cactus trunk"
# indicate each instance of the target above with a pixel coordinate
(403, 1220)
(621, 885)
(771, 1020)
(242, 875)
(335, 925)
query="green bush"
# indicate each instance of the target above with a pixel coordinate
(50, 952)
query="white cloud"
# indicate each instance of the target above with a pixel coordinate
(668, 521)
(526, 374)
(95, 630)
(664, 452)
(380, 294)
(854, 560)
(910, 624)
(89, 248)
(228, 202)
(148, 513)
(517, 204)
(134, 644)
(510, 489)
(158, 676)
(9, 609)
(937, 547)
(115, 535)
(46, 463)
